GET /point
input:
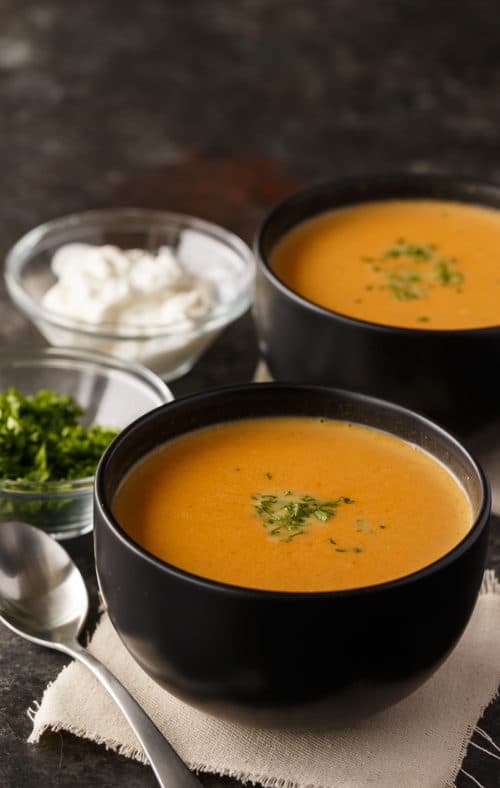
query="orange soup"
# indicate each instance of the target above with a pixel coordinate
(293, 504)
(410, 263)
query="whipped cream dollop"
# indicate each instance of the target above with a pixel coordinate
(134, 287)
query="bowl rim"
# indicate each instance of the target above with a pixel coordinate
(480, 522)
(23, 355)
(464, 183)
(223, 313)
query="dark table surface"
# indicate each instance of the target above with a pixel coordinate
(220, 109)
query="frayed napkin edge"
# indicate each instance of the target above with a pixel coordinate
(137, 755)
(490, 585)
(471, 729)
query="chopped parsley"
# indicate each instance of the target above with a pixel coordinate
(286, 515)
(419, 253)
(405, 285)
(410, 270)
(354, 549)
(446, 276)
(42, 440)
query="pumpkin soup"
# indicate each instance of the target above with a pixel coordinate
(409, 263)
(293, 504)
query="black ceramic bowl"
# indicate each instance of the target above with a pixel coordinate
(451, 376)
(277, 657)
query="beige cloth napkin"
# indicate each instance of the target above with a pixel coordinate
(418, 743)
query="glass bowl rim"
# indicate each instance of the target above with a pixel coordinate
(24, 248)
(18, 488)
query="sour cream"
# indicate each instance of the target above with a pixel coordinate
(128, 287)
(141, 306)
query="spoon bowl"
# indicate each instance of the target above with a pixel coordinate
(43, 598)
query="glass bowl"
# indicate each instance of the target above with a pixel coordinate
(169, 350)
(111, 393)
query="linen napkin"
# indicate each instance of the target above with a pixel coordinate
(420, 742)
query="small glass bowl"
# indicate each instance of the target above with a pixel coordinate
(169, 350)
(111, 393)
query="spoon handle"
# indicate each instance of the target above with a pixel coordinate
(169, 769)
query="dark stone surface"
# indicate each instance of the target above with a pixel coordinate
(219, 109)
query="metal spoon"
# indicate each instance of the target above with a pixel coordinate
(43, 598)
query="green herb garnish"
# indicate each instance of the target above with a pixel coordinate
(41, 439)
(419, 253)
(446, 276)
(286, 515)
(405, 285)
(410, 270)
(354, 549)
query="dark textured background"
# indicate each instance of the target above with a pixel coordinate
(220, 108)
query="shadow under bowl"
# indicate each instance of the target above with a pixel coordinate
(280, 658)
(450, 375)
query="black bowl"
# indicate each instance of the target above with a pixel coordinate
(451, 376)
(276, 657)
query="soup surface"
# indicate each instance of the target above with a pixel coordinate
(293, 504)
(409, 263)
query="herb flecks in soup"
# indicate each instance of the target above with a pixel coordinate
(410, 263)
(191, 504)
(286, 515)
(409, 271)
